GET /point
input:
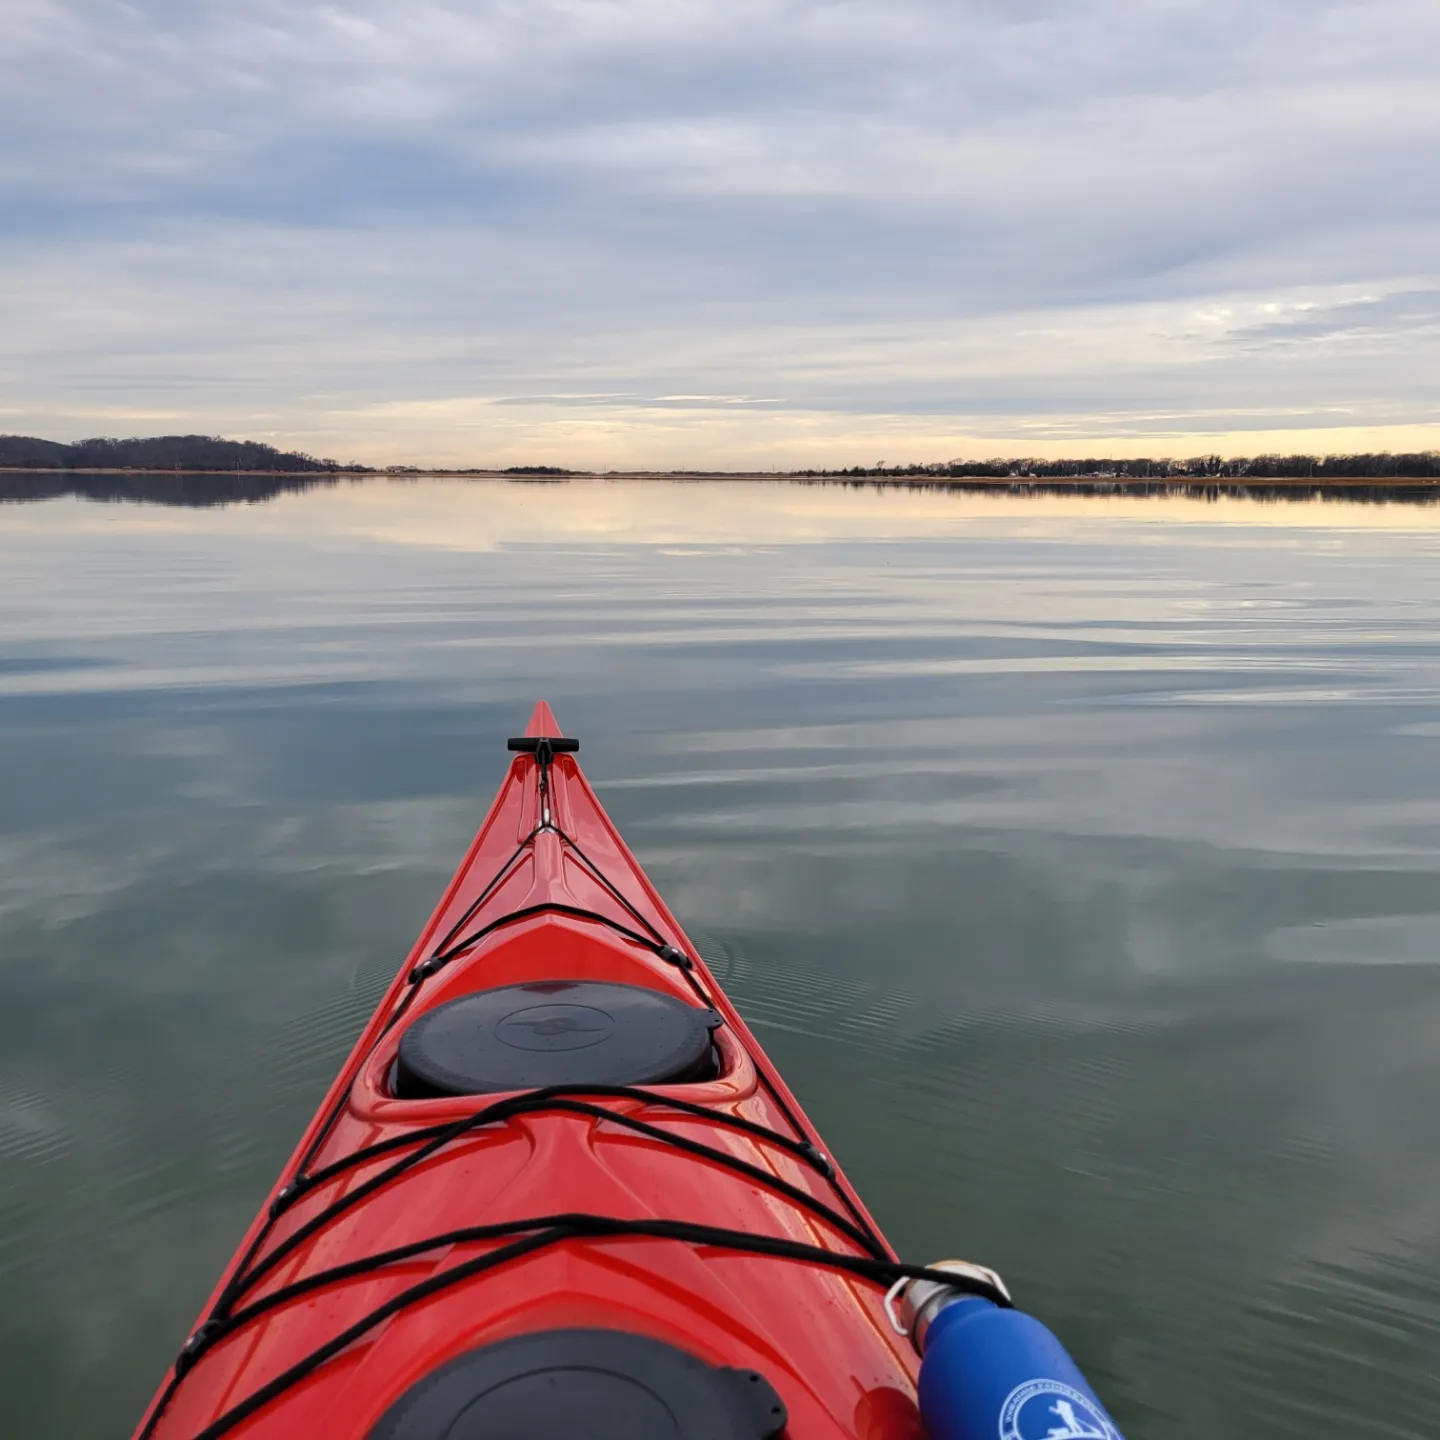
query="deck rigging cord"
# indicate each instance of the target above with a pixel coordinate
(228, 1315)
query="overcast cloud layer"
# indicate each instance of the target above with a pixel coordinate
(723, 232)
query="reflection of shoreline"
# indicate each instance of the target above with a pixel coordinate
(191, 489)
(199, 489)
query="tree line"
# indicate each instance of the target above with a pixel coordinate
(214, 453)
(160, 452)
(1424, 465)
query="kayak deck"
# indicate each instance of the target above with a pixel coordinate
(406, 1232)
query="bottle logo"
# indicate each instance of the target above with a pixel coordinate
(1048, 1410)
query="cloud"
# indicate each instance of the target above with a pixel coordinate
(1403, 317)
(269, 216)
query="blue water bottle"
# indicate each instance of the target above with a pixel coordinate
(991, 1373)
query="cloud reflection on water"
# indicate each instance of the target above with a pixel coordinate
(1121, 990)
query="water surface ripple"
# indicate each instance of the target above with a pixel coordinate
(1077, 861)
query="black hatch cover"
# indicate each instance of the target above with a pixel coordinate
(584, 1385)
(556, 1032)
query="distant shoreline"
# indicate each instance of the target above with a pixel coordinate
(1099, 482)
(191, 458)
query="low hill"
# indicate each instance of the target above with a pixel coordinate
(159, 452)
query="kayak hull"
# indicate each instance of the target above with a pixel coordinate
(548, 892)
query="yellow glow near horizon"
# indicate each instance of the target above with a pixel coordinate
(477, 432)
(699, 434)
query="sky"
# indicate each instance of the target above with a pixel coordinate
(739, 234)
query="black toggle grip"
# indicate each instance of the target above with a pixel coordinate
(671, 955)
(529, 744)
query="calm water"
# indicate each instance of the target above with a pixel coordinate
(1077, 862)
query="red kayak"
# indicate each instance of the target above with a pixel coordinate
(556, 1191)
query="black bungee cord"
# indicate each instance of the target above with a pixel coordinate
(547, 1231)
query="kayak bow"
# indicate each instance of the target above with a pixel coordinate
(557, 1190)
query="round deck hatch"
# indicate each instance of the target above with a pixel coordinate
(584, 1385)
(555, 1032)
